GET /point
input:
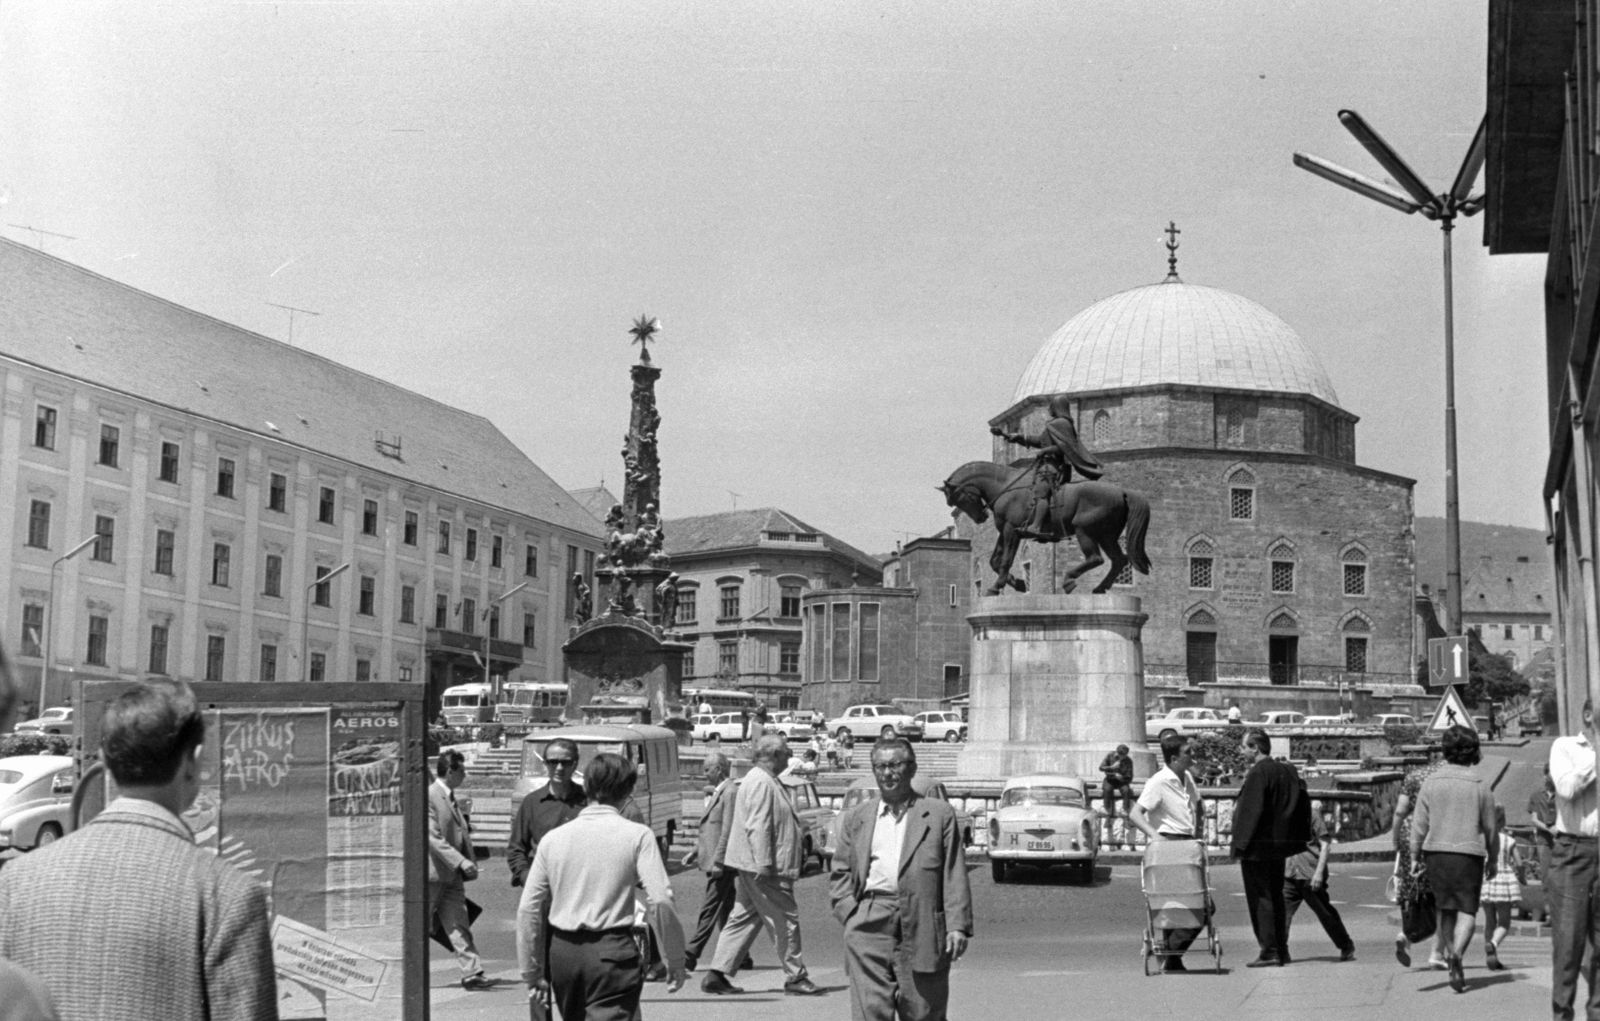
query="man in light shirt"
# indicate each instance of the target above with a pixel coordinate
(1569, 883)
(583, 880)
(1169, 809)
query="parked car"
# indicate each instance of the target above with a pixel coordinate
(796, 726)
(1325, 721)
(815, 819)
(55, 720)
(35, 800)
(866, 789)
(653, 751)
(870, 722)
(1282, 718)
(718, 727)
(1395, 720)
(1044, 820)
(942, 725)
(1188, 720)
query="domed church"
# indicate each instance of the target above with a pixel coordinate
(1277, 561)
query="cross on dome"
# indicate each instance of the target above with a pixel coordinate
(1172, 233)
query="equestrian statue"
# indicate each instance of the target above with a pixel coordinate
(1038, 500)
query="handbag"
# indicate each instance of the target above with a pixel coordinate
(1418, 913)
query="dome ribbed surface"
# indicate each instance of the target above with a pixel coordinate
(1175, 333)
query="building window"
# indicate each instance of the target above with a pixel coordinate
(325, 506)
(530, 630)
(817, 641)
(1538, 632)
(369, 517)
(32, 628)
(105, 529)
(444, 537)
(273, 583)
(588, 566)
(688, 663)
(789, 658)
(572, 588)
(1235, 425)
(158, 648)
(728, 658)
(169, 462)
(728, 608)
(225, 477)
(686, 610)
(110, 441)
(405, 675)
(472, 544)
(789, 605)
(166, 543)
(469, 616)
(867, 645)
(98, 628)
(1241, 503)
(44, 428)
(1355, 654)
(269, 663)
(220, 554)
(441, 611)
(494, 622)
(319, 666)
(841, 642)
(369, 595)
(408, 604)
(321, 593)
(1508, 633)
(277, 492)
(39, 524)
(363, 669)
(530, 561)
(1102, 429)
(1283, 576)
(1200, 572)
(1355, 573)
(215, 648)
(496, 550)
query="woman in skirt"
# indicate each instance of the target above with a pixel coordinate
(1405, 880)
(1500, 893)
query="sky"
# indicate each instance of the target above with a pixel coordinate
(856, 222)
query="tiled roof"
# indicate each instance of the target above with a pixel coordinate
(66, 319)
(597, 500)
(743, 528)
(1508, 587)
(1175, 333)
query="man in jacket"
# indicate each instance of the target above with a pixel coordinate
(558, 801)
(764, 846)
(127, 917)
(1271, 823)
(453, 863)
(900, 889)
(710, 850)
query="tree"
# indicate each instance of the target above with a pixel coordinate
(1491, 678)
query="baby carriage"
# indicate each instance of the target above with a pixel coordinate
(1177, 895)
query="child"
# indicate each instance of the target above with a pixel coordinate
(847, 747)
(1500, 894)
(830, 748)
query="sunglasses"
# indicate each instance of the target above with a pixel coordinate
(553, 763)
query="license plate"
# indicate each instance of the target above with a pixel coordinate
(1041, 845)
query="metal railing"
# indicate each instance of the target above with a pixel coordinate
(1174, 675)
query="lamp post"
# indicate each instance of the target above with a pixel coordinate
(487, 610)
(305, 624)
(50, 612)
(1444, 208)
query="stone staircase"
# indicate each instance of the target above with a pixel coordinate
(496, 762)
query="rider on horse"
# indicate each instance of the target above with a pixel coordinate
(1060, 452)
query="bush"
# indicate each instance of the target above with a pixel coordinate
(33, 743)
(1402, 735)
(1219, 759)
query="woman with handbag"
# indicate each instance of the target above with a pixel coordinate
(1500, 894)
(1404, 883)
(1454, 827)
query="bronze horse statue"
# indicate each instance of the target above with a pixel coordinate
(1097, 512)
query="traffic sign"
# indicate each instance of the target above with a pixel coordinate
(1451, 712)
(1447, 661)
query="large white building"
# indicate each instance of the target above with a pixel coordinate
(223, 473)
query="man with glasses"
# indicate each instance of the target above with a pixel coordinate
(558, 801)
(900, 888)
(1169, 809)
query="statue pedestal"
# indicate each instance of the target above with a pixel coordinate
(1057, 682)
(620, 669)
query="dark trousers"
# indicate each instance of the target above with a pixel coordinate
(1574, 923)
(720, 893)
(597, 976)
(1263, 892)
(1297, 890)
(882, 984)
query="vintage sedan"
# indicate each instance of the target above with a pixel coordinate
(866, 789)
(815, 818)
(55, 720)
(35, 800)
(1044, 820)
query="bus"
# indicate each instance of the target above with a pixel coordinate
(535, 703)
(722, 700)
(467, 705)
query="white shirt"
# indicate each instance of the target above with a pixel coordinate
(1171, 803)
(1572, 770)
(888, 839)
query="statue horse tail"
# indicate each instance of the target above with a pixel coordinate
(1138, 524)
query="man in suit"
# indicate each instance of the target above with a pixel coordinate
(1271, 823)
(710, 853)
(764, 846)
(453, 863)
(900, 887)
(127, 917)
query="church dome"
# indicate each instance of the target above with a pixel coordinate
(1174, 332)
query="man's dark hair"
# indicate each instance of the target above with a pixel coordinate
(1460, 746)
(1122, 749)
(148, 730)
(1172, 746)
(884, 744)
(1258, 740)
(609, 779)
(561, 742)
(448, 760)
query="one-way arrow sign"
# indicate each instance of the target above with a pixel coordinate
(1447, 661)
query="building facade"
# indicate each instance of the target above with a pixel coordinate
(742, 580)
(220, 474)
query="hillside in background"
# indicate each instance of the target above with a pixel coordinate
(1503, 543)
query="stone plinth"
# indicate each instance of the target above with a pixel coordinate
(621, 668)
(1057, 682)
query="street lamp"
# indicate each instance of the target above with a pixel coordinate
(305, 625)
(486, 611)
(50, 612)
(1444, 207)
